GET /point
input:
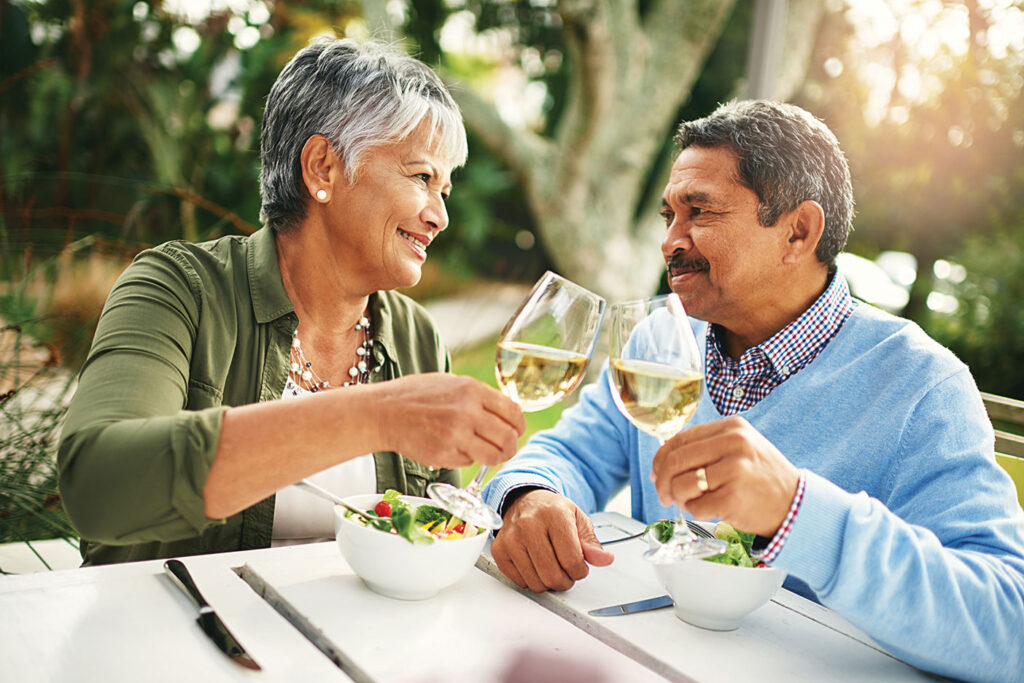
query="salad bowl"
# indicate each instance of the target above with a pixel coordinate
(395, 567)
(717, 593)
(717, 596)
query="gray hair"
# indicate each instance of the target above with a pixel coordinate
(786, 156)
(358, 97)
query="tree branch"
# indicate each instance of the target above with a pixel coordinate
(588, 38)
(527, 154)
(802, 21)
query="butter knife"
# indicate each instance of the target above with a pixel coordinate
(208, 619)
(631, 607)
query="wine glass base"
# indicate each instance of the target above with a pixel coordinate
(464, 505)
(685, 549)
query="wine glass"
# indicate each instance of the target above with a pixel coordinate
(655, 373)
(542, 355)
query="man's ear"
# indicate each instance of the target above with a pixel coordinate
(805, 224)
(321, 167)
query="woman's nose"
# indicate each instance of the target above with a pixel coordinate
(436, 213)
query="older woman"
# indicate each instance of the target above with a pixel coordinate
(174, 444)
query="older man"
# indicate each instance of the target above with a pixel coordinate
(856, 447)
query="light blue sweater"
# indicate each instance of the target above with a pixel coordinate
(908, 527)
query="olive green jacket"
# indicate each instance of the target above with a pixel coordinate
(187, 331)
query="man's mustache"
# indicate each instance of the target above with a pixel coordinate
(678, 263)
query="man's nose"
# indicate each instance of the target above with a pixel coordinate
(677, 238)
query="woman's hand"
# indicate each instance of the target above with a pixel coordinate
(446, 420)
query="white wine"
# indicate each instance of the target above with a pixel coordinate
(537, 377)
(657, 398)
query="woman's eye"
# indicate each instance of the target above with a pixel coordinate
(425, 177)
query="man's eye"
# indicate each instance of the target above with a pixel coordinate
(667, 216)
(697, 211)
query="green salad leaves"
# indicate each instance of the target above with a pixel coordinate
(424, 524)
(736, 554)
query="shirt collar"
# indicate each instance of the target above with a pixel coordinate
(381, 319)
(795, 345)
(269, 299)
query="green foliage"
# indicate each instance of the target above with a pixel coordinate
(486, 213)
(33, 400)
(987, 329)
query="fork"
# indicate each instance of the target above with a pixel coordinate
(694, 527)
(310, 487)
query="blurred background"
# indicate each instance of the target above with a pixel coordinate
(126, 124)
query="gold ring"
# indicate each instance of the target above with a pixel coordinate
(702, 479)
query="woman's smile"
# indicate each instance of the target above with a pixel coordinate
(417, 242)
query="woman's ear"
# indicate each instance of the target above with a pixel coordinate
(321, 167)
(805, 224)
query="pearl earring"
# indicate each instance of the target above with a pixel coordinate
(321, 195)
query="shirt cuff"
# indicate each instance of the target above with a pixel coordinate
(514, 492)
(774, 546)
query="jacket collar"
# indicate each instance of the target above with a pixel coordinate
(269, 299)
(382, 316)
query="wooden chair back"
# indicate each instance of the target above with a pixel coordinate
(1008, 414)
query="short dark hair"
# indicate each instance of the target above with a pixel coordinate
(786, 156)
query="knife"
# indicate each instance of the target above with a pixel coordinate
(630, 607)
(208, 619)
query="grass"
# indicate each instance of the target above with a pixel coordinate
(478, 362)
(33, 399)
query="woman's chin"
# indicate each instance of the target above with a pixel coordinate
(407, 276)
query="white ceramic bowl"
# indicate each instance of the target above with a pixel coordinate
(391, 565)
(717, 596)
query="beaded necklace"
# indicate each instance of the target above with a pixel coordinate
(304, 377)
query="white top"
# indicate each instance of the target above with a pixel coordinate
(300, 517)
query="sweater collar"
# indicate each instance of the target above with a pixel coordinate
(797, 344)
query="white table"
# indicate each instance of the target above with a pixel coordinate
(303, 615)
(130, 623)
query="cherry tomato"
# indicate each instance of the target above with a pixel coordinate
(460, 528)
(382, 509)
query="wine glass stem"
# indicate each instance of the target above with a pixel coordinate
(681, 533)
(478, 481)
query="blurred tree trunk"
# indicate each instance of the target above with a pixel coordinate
(628, 76)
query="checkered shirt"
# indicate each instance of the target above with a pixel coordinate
(735, 386)
(771, 551)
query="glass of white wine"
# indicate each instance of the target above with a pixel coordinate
(656, 378)
(542, 356)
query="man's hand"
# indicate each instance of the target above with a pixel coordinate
(750, 484)
(546, 543)
(446, 420)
